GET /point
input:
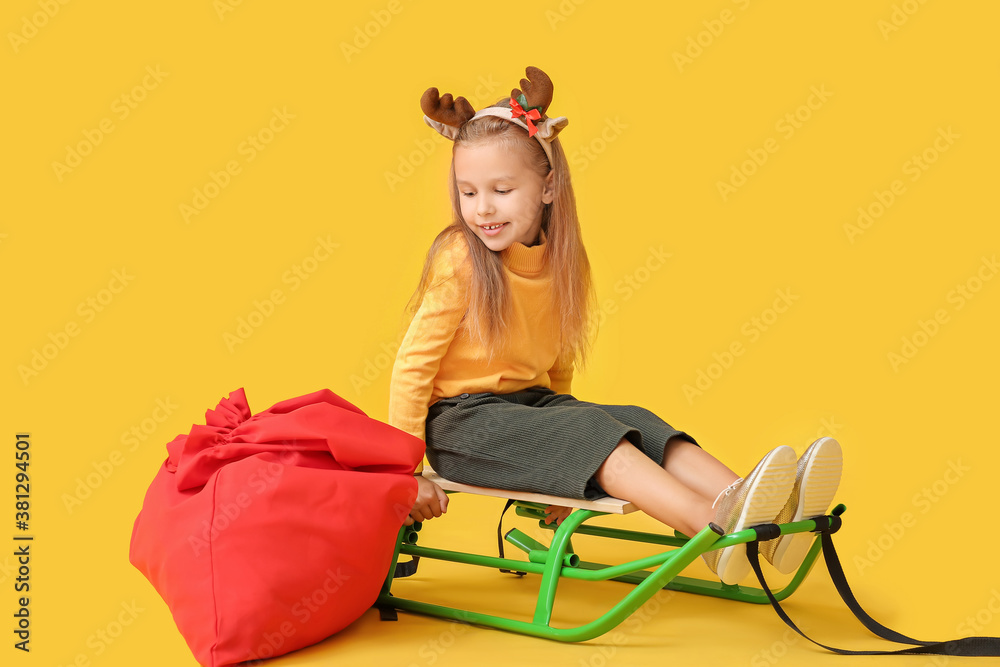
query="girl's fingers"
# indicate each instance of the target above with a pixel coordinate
(442, 500)
(556, 513)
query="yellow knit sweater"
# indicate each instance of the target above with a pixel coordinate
(437, 359)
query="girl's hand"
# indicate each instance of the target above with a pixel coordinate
(431, 501)
(556, 513)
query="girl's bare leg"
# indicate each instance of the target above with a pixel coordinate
(697, 469)
(629, 474)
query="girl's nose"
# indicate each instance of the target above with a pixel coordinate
(485, 207)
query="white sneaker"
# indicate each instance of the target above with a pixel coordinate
(816, 482)
(747, 502)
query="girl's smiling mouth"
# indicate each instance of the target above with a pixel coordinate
(493, 229)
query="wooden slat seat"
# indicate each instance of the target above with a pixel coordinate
(607, 504)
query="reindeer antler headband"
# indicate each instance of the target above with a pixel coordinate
(447, 115)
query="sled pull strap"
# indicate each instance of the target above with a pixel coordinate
(510, 501)
(386, 613)
(407, 569)
(968, 646)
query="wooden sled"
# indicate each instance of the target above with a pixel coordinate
(558, 560)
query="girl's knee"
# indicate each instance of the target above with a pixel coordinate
(619, 461)
(624, 450)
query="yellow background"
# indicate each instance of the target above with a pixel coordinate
(649, 141)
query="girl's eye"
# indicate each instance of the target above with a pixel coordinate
(499, 192)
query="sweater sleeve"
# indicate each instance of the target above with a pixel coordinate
(427, 339)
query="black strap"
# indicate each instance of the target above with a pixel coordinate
(387, 613)
(406, 569)
(510, 501)
(968, 646)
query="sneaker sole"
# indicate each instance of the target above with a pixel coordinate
(820, 481)
(769, 493)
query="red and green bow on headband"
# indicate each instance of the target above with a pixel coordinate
(517, 108)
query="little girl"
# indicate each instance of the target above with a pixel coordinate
(500, 319)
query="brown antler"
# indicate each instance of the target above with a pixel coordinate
(537, 90)
(444, 109)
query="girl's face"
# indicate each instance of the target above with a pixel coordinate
(502, 198)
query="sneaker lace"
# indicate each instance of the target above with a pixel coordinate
(726, 491)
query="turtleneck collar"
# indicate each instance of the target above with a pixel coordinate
(522, 259)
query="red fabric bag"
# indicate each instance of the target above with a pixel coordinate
(271, 532)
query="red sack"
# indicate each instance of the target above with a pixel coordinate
(271, 532)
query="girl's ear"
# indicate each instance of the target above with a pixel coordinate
(549, 191)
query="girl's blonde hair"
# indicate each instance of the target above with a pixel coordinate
(489, 293)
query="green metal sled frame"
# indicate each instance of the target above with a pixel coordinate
(559, 560)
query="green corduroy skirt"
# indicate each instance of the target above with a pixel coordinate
(536, 440)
